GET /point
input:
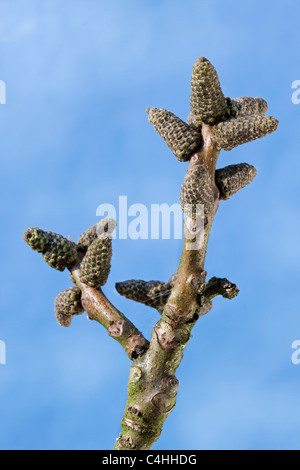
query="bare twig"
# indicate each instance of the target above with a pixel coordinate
(101, 310)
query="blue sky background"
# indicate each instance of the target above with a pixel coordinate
(74, 134)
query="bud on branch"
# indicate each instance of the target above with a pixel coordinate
(231, 179)
(68, 304)
(153, 293)
(57, 251)
(181, 138)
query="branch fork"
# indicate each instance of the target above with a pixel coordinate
(216, 122)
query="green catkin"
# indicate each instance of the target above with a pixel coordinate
(196, 190)
(152, 293)
(208, 104)
(246, 105)
(105, 226)
(87, 238)
(68, 304)
(231, 179)
(181, 138)
(95, 266)
(37, 239)
(240, 130)
(57, 251)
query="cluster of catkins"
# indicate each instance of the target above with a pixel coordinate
(93, 250)
(233, 122)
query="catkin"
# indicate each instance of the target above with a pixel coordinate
(152, 293)
(197, 196)
(68, 304)
(240, 130)
(231, 179)
(57, 251)
(208, 103)
(181, 138)
(95, 266)
(246, 105)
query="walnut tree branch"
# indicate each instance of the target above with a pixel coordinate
(216, 122)
(88, 261)
(152, 386)
(101, 310)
